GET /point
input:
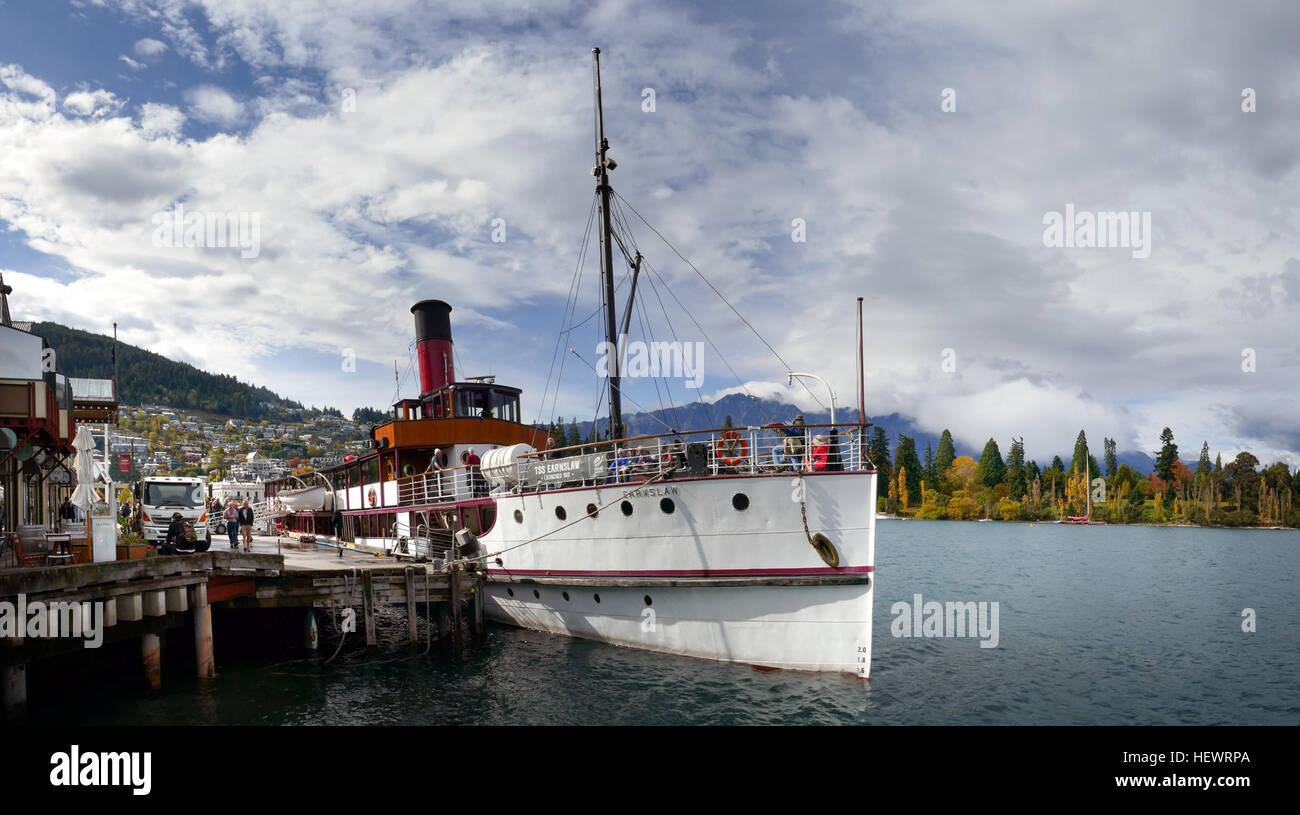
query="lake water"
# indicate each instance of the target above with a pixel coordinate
(1097, 625)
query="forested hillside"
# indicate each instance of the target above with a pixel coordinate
(146, 377)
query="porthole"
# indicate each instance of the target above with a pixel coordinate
(592, 512)
(519, 516)
(560, 513)
(626, 506)
(740, 501)
(667, 505)
(597, 597)
(510, 592)
(648, 601)
(537, 594)
(566, 597)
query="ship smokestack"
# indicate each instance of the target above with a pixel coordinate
(433, 344)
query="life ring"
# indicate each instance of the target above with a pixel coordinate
(731, 442)
(371, 496)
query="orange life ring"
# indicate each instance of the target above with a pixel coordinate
(371, 496)
(731, 442)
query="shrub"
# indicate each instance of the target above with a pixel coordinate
(1009, 510)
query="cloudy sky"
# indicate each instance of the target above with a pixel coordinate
(922, 145)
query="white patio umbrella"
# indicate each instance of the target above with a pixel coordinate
(84, 495)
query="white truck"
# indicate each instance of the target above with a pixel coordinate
(162, 496)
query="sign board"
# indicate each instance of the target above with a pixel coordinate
(124, 462)
(103, 534)
(572, 468)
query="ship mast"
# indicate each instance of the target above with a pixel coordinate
(601, 172)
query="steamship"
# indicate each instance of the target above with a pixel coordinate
(752, 545)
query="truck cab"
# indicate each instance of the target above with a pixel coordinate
(162, 496)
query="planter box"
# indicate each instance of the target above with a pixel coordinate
(133, 552)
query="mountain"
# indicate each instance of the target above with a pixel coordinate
(149, 378)
(753, 412)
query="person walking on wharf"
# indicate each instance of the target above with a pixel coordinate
(246, 525)
(231, 516)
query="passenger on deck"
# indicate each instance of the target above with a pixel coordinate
(472, 463)
(821, 451)
(795, 435)
(432, 481)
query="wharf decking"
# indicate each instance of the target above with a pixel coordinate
(144, 598)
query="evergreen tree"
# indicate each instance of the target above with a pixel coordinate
(878, 449)
(992, 470)
(1112, 460)
(559, 434)
(945, 455)
(1015, 480)
(1082, 459)
(931, 478)
(1166, 456)
(905, 460)
(1203, 466)
(1218, 463)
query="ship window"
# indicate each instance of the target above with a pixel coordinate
(510, 592)
(519, 517)
(667, 505)
(566, 596)
(560, 513)
(537, 594)
(488, 517)
(648, 601)
(626, 506)
(592, 511)
(597, 597)
(740, 501)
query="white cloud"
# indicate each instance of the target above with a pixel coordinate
(132, 64)
(149, 48)
(157, 119)
(482, 111)
(212, 104)
(92, 103)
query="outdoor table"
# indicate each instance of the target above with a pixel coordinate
(60, 546)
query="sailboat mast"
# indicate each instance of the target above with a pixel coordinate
(601, 172)
(1087, 482)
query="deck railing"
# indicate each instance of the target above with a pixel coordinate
(767, 450)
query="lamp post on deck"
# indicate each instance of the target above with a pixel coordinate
(829, 389)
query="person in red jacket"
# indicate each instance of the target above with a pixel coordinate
(821, 451)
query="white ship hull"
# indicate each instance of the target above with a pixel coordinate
(706, 580)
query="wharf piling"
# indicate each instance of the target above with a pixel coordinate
(143, 599)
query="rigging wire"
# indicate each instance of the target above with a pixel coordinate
(718, 293)
(570, 306)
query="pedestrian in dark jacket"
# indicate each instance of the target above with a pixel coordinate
(175, 541)
(246, 525)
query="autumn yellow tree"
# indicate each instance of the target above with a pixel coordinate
(902, 488)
